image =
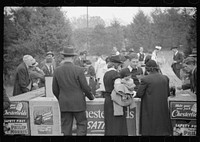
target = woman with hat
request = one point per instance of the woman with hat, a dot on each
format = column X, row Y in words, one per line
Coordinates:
column 154, row 113
column 155, row 53
column 70, row 88
column 114, row 125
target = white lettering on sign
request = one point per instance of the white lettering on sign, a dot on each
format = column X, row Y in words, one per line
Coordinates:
column 97, row 125
column 19, row 131
column 95, row 114
column 189, row 133
column 14, row 112
column 129, row 114
column 177, row 113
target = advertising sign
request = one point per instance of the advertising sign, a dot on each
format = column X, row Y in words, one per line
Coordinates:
column 95, row 117
column 16, row 126
column 17, row 109
column 183, row 110
column 184, row 128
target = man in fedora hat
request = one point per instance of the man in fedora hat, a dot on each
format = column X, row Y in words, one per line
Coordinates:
column 154, row 91
column 22, row 82
column 70, row 88
column 177, row 61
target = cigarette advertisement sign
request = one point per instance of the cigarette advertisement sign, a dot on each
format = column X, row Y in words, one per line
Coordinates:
column 16, row 127
column 17, row 110
column 43, row 119
column 184, row 128
column 95, row 117
column 183, row 110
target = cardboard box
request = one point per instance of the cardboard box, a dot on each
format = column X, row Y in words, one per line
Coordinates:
column 17, row 109
column 184, row 127
column 16, row 126
column 45, row 116
column 183, row 110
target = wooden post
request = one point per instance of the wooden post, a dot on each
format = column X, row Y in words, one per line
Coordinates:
column 48, row 86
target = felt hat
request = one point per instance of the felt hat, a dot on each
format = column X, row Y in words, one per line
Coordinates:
column 151, row 64
column 125, row 72
column 49, row 53
column 68, row 51
column 115, row 59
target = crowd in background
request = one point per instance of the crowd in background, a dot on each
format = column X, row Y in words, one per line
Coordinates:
column 124, row 73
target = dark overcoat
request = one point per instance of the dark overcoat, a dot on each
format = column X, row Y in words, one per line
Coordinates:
column 22, row 80
column 178, row 65
column 154, row 114
column 70, row 87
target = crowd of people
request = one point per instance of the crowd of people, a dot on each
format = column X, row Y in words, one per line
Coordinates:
column 118, row 78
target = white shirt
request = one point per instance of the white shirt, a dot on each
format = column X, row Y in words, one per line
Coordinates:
column 175, row 53
column 154, row 56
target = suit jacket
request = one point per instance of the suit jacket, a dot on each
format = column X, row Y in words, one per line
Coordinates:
column 179, row 58
column 47, row 71
column 22, row 80
column 70, row 87
column 154, row 114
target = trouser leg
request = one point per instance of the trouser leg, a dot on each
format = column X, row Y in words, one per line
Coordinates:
column 81, row 122
column 66, row 122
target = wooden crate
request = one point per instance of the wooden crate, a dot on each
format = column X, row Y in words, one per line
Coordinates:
column 45, row 116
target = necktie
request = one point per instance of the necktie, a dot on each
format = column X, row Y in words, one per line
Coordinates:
column 51, row 72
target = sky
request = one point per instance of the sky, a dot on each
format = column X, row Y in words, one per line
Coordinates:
column 123, row 14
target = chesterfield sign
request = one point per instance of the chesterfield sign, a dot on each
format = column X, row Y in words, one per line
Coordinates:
column 183, row 110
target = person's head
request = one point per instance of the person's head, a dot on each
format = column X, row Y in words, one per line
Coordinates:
column 148, row 57
column 141, row 49
column 123, row 51
column 83, row 55
column 189, row 64
column 87, row 63
column 126, row 63
column 125, row 74
column 49, row 60
column 151, row 66
column 115, row 49
column 134, row 60
column 29, row 61
column 157, row 48
column 115, row 62
column 49, row 54
column 174, row 49
column 68, row 53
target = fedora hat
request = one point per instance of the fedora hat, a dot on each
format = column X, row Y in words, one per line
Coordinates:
column 49, row 53
column 68, row 51
column 115, row 59
column 151, row 64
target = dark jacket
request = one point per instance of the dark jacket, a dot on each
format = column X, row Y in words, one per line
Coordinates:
column 70, row 87
column 154, row 113
column 179, row 58
column 22, row 80
column 193, row 82
column 47, row 71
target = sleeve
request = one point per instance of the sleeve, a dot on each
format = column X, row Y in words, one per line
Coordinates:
column 55, row 87
column 141, row 88
column 186, row 86
column 84, row 85
column 22, row 80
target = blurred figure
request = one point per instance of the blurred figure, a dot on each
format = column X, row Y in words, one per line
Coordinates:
column 177, row 61
column 6, row 100
column 115, row 51
column 79, row 60
column 155, row 52
column 189, row 65
column 141, row 55
column 147, row 58
column 48, row 68
column 22, row 83
column 154, row 92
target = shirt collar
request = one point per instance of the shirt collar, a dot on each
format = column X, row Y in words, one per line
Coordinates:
column 112, row 68
column 176, row 52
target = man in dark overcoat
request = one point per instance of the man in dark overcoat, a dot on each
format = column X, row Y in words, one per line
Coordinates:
column 70, row 88
column 22, row 82
column 154, row 113
column 177, row 61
